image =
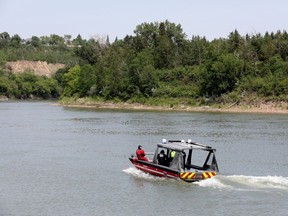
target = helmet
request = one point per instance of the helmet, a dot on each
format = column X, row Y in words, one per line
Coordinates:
column 164, row 141
column 139, row 146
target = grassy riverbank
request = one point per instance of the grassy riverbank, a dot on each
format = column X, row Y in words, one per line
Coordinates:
column 256, row 105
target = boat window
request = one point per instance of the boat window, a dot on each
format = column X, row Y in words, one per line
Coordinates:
column 185, row 156
column 199, row 158
column 209, row 162
column 177, row 162
column 165, row 150
column 157, row 152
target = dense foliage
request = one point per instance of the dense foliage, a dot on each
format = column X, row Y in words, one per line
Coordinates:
column 28, row 85
column 157, row 61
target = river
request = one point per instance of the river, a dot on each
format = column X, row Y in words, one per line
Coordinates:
column 72, row 161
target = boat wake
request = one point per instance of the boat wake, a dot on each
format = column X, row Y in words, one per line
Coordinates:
column 230, row 182
column 246, row 183
column 141, row 175
column 273, row 182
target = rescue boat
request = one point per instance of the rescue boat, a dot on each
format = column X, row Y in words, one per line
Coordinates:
column 185, row 160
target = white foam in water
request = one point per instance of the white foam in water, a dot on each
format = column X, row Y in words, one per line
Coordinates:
column 213, row 182
column 277, row 182
column 227, row 182
column 139, row 174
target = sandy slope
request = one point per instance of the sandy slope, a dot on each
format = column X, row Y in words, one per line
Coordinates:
column 39, row 67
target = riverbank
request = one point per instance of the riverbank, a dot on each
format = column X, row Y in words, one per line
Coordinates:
column 256, row 107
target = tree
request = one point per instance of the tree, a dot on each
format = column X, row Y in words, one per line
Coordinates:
column 116, row 60
column 89, row 51
column 56, row 40
column 16, row 41
column 164, row 49
column 141, row 74
column 4, row 39
column 71, row 80
column 148, row 81
column 146, row 33
column 3, row 85
column 46, row 88
column 87, row 79
column 78, row 41
column 2, row 58
column 59, row 76
column 195, row 52
column 234, row 41
column 35, row 42
column 165, row 38
column 67, row 39
column 222, row 75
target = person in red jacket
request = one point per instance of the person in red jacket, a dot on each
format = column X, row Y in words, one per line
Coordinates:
column 141, row 154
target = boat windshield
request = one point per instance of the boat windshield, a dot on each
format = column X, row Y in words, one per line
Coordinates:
column 174, row 158
column 187, row 158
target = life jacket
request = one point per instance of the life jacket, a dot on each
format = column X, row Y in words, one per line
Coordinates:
column 140, row 154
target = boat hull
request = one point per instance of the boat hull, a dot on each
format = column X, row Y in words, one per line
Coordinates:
column 196, row 176
column 155, row 169
column 163, row 171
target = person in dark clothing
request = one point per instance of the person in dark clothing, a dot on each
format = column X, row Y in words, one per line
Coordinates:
column 141, row 154
column 162, row 158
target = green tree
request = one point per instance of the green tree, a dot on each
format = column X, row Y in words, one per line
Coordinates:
column 25, row 82
column 89, row 52
column 87, row 79
column 71, row 80
column 116, row 69
column 148, row 80
column 56, row 40
column 35, row 42
column 4, row 39
column 164, row 49
column 137, row 69
column 2, row 58
column 46, row 88
column 98, row 86
column 78, row 41
column 67, row 39
column 59, row 76
column 16, row 41
column 195, row 52
column 146, row 34
column 235, row 41
column 222, row 75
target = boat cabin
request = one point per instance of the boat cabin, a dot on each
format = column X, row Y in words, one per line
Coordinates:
column 185, row 156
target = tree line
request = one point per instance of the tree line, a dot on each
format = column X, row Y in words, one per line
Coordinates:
column 157, row 61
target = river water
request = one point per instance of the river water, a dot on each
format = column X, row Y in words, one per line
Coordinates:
column 71, row 161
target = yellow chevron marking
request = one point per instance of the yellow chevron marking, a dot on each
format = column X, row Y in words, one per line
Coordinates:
column 191, row 176
column 205, row 175
column 210, row 174
column 184, row 176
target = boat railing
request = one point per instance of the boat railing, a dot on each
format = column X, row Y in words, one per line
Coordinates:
column 190, row 142
column 199, row 144
column 196, row 167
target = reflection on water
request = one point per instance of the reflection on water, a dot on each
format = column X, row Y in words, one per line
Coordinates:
column 66, row 161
